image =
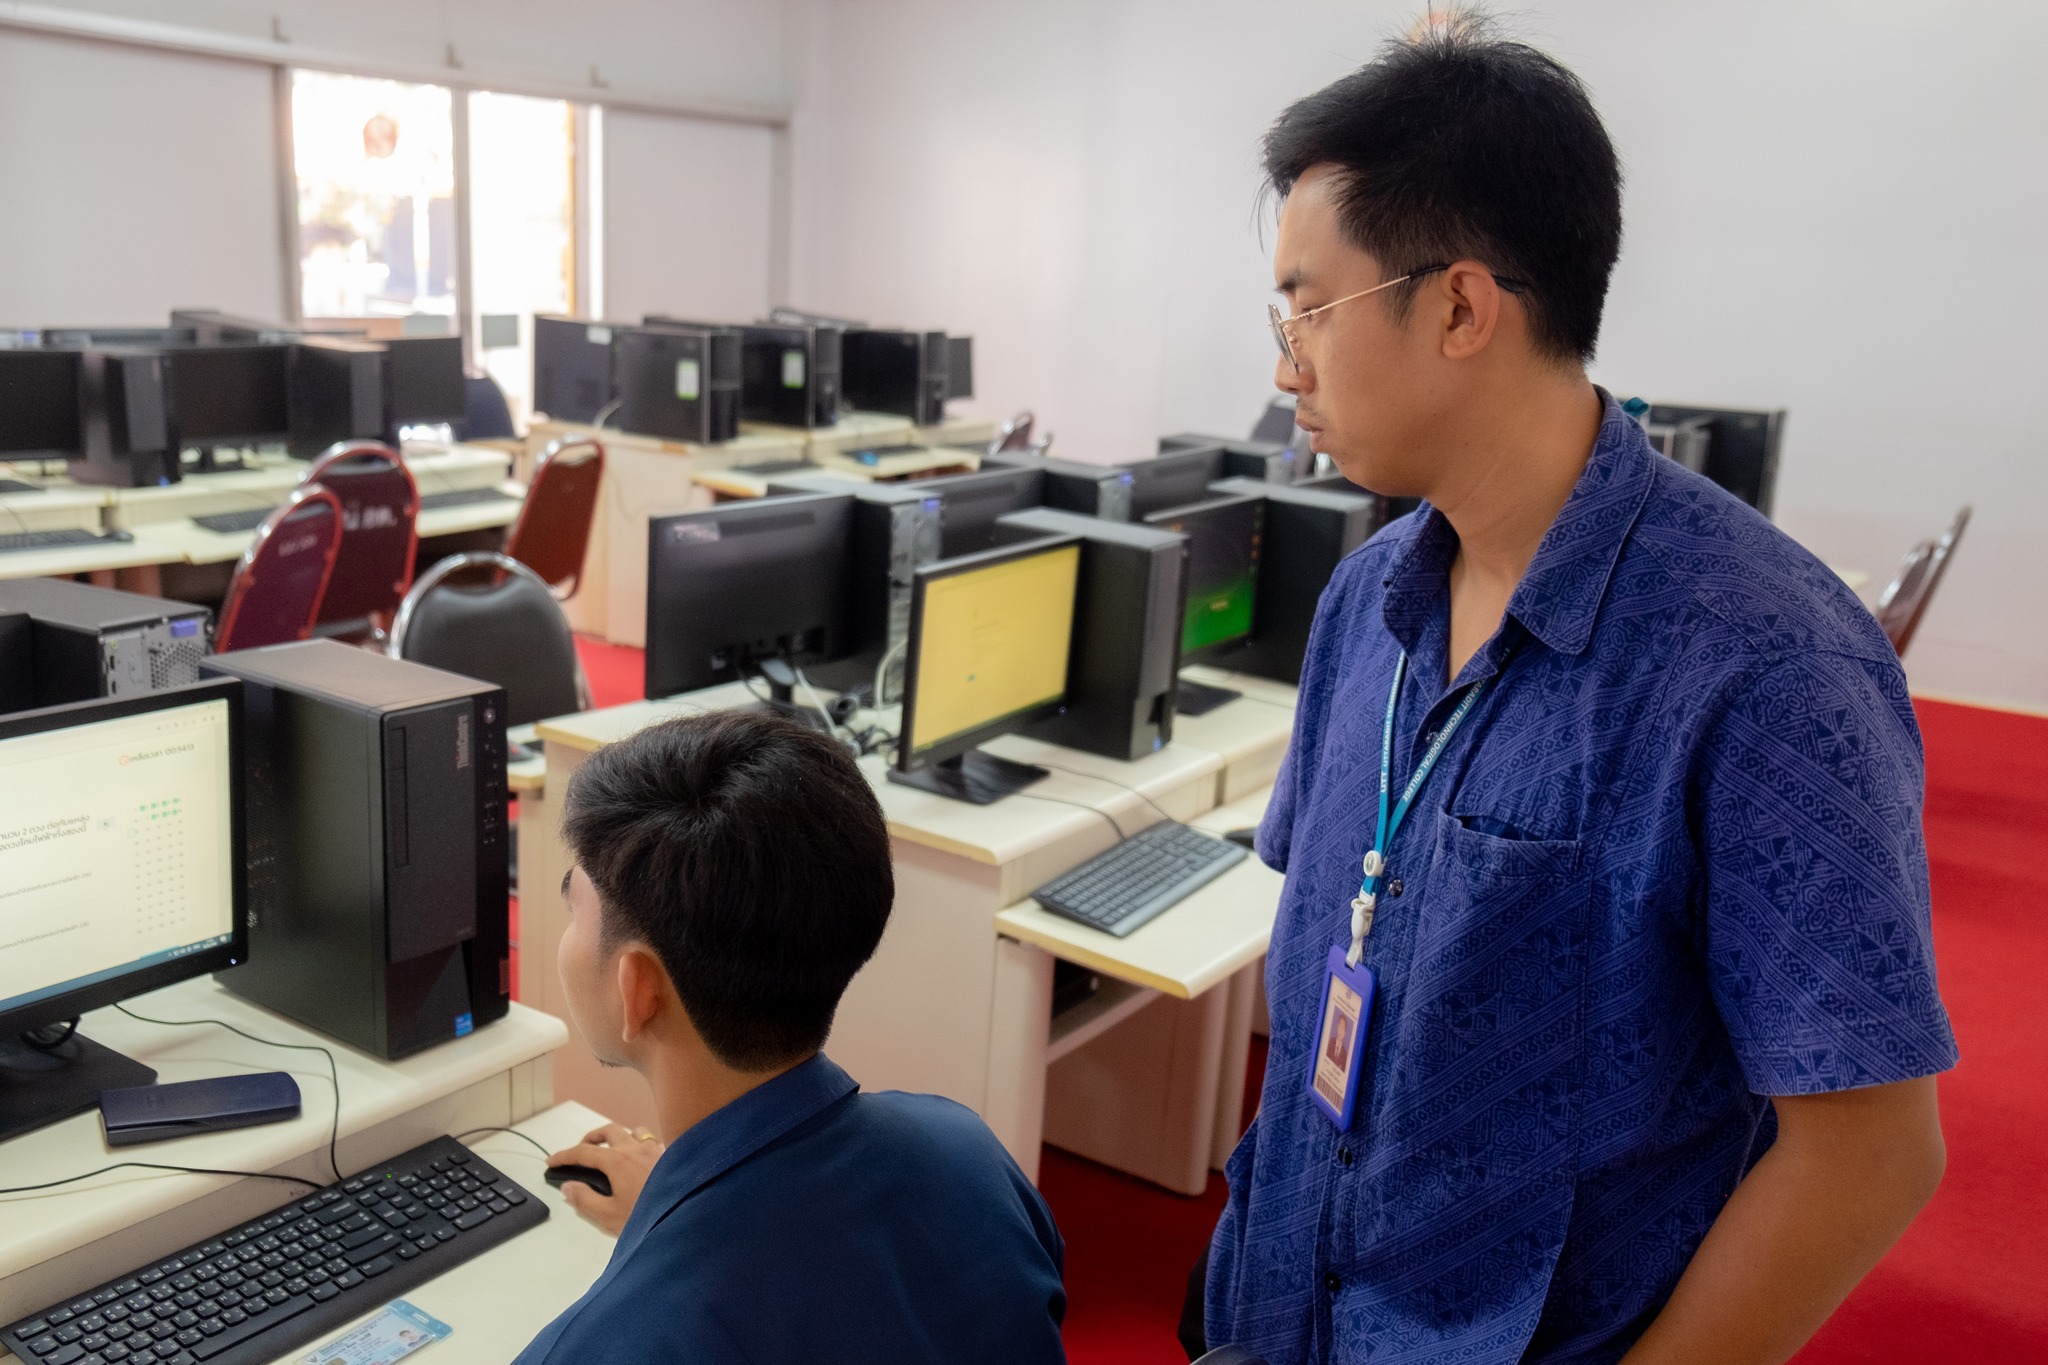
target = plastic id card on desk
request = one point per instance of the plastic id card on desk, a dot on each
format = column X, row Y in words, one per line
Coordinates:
column 395, row 1333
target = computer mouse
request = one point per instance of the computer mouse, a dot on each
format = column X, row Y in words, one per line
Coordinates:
column 1243, row 838
column 589, row 1175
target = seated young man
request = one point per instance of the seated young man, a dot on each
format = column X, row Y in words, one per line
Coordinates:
column 731, row 874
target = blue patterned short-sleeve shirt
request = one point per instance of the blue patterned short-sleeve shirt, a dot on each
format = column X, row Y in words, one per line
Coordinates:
column 1670, row 866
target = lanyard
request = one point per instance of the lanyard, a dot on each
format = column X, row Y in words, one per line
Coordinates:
column 1363, row 904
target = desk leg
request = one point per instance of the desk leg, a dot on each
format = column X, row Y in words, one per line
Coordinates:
column 1018, row 1032
column 1237, row 1047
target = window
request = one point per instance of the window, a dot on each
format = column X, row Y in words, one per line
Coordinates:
column 375, row 163
column 522, row 215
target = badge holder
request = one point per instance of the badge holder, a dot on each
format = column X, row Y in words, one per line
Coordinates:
column 1340, row 1039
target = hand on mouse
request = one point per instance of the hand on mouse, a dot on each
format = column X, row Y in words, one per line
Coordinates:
column 625, row 1158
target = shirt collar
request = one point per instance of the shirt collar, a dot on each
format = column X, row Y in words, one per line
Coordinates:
column 1559, row 597
column 729, row 1136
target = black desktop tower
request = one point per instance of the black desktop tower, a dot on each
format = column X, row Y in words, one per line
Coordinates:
column 336, row 393
column 680, row 382
column 1267, row 461
column 88, row 642
column 790, row 375
column 896, row 528
column 1127, row 628
column 907, row 374
column 17, row 662
column 377, row 847
column 1093, row 490
column 1307, row 532
column 126, row 427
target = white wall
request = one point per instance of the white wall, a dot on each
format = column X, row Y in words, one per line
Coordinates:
column 133, row 182
column 1832, row 207
column 687, row 218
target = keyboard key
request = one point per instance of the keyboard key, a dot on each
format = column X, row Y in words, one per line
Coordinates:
column 64, row 1355
column 407, row 1252
column 242, row 1331
column 368, row 1250
column 33, row 1328
column 473, row 1219
column 323, row 1292
column 371, row 1269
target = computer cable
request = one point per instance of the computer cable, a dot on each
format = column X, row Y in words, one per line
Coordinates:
column 882, row 671
column 333, row 1072
column 1078, row 805
column 1097, row 777
column 159, row 1166
column 832, row 726
column 495, row 1128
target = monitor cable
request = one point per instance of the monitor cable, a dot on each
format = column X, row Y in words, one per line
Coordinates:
column 1078, row 805
column 498, row 1128
column 1097, row 777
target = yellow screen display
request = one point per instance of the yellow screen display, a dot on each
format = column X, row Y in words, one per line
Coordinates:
column 993, row 642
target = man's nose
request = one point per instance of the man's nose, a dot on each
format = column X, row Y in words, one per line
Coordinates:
column 1290, row 379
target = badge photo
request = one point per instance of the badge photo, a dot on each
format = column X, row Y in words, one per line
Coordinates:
column 1340, row 1039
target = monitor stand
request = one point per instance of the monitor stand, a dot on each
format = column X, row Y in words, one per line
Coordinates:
column 1199, row 699
column 976, row 777
column 39, row 1087
column 781, row 680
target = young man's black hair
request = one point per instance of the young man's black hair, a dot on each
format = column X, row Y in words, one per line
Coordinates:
column 750, row 854
column 732, row 874
column 1457, row 143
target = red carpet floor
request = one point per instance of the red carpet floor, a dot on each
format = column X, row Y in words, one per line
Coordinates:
column 1968, row 1283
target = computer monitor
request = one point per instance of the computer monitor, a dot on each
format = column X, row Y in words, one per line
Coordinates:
column 1742, row 450
column 732, row 587
column 971, row 504
column 423, row 383
column 337, row 393
column 990, row 636
column 122, row 854
column 572, row 367
column 1225, row 540
column 1308, row 533
column 1173, row 478
column 228, row 395
column 39, row 403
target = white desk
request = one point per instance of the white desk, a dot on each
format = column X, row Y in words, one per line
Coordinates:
column 952, row 1003
column 56, row 1242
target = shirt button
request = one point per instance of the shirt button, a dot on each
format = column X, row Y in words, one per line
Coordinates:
column 1394, row 887
column 1343, row 1156
column 1331, row 1282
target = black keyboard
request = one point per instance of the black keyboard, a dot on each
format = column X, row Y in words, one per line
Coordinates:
column 462, row 497
column 280, row 1281
column 1141, row 877
column 228, row 523
column 47, row 540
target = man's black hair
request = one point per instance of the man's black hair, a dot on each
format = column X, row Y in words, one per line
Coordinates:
column 749, row 853
column 1454, row 143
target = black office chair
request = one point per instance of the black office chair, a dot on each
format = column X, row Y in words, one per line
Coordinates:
column 488, row 416
column 501, row 625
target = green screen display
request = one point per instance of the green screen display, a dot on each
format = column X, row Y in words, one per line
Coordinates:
column 1221, row 614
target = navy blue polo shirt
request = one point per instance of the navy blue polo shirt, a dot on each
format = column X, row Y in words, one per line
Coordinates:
column 1670, row 866
column 807, row 1221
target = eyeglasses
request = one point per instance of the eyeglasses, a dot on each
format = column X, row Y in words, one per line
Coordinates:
column 1282, row 323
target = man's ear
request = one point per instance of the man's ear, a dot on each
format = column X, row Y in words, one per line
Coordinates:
column 1470, row 301
column 644, row 991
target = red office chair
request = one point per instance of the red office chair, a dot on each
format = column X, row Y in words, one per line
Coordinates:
column 380, row 508
column 553, row 529
column 274, row 596
column 1905, row 600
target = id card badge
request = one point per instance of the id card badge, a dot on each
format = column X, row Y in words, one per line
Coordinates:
column 1340, row 1041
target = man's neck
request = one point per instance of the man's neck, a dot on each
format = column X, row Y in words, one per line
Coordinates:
column 1510, row 463
column 690, row 1085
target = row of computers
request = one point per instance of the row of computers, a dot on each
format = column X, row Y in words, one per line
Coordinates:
column 122, row 406
column 695, row 381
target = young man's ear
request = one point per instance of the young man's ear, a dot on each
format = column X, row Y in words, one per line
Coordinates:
column 643, row 989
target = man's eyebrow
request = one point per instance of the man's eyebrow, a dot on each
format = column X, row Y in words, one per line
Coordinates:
column 1290, row 282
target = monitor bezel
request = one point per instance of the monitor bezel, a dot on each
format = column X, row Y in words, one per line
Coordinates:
column 953, row 746
column 1222, row 649
column 73, row 1003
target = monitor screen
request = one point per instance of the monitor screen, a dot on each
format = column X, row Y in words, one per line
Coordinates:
column 989, row 643
column 424, row 382
column 572, row 368
column 117, row 849
column 228, row 393
column 39, row 411
column 1223, row 568
column 729, row 586
column 971, row 504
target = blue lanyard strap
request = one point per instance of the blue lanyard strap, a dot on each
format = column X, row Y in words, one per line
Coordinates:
column 1367, row 900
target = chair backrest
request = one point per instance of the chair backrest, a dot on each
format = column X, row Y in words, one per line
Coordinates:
column 1904, row 601
column 1014, row 434
column 274, row 596
column 487, row 416
column 503, row 626
column 553, row 529
column 380, row 508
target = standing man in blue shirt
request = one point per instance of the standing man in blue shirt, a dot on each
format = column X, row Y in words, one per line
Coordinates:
column 1604, row 1017
column 731, row 875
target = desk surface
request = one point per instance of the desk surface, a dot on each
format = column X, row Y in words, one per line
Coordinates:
column 1194, row 946
column 37, row 1226
column 64, row 560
